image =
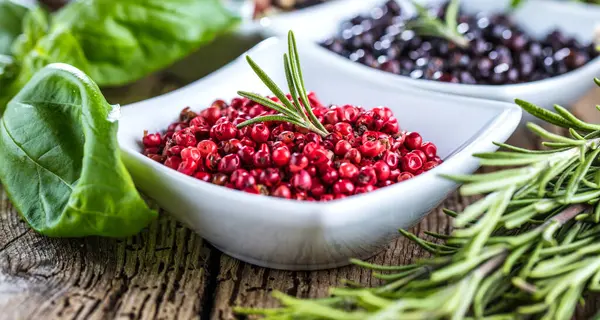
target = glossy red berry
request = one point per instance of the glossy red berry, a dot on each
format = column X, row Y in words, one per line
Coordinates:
column 330, row 176
column 343, row 128
column 281, row 156
column 255, row 173
column 236, row 173
column 327, row 197
column 299, row 195
column 191, row 153
column 309, row 147
column 264, row 147
column 394, row 174
column 302, row 180
column 421, row 155
column 260, row 133
column 149, row 151
column 382, row 170
column 262, row 159
column 174, row 151
column 317, row 189
column 282, row 191
column 220, row 179
column 270, row 177
column 385, row 183
column 366, row 176
column 342, row 147
column 429, row 165
column 411, row 162
column 429, row 149
column 298, row 162
column 318, row 156
column 204, row 176
column 223, row 131
column 187, row 167
column 343, row 186
column 365, row 189
column 199, row 122
column 211, row 115
column 391, row 159
column 229, row 163
column 347, row 113
column 231, row 145
column 246, row 155
column 348, row 171
column 391, row 126
column 371, row 148
column 185, row 138
column 219, row 104
column 413, row 141
column 173, row 162
column 212, row 162
column 312, row 170
column 152, row 140
column 248, row 142
column 206, row 147
column 331, row 117
column 313, row 137
column 354, row 156
column 382, row 113
column 286, row 137
column 405, row 176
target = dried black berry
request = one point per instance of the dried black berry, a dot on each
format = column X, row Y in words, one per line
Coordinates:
column 499, row 51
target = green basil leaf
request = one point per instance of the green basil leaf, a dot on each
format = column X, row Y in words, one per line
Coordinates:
column 126, row 40
column 11, row 17
column 35, row 26
column 7, row 69
column 60, row 162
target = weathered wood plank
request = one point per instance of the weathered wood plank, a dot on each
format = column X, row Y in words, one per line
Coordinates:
column 157, row 274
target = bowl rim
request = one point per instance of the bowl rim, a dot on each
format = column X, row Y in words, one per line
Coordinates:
column 503, row 124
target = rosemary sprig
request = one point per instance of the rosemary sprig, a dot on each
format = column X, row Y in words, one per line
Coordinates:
column 298, row 111
column 427, row 24
column 529, row 249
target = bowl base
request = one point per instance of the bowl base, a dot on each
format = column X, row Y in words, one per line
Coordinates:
column 294, row 267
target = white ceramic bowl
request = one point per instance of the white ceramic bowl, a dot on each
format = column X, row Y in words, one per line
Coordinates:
column 289, row 234
column 537, row 17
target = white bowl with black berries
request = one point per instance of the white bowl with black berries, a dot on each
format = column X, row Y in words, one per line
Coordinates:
column 302, row 235
column 557, row 68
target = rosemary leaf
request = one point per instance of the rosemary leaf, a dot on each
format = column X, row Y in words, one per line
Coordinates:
column 543, row 114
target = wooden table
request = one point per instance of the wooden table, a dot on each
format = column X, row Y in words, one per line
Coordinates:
column 167, row 271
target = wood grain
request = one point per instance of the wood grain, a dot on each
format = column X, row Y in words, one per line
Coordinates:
column 158, row 274
column 168, row 272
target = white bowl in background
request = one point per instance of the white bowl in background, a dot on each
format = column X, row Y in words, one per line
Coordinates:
column 288, row 234
column 537, row 17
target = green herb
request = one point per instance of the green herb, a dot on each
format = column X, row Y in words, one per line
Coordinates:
column 298, row 112
column 529, row 249
column 116, row 42
column 429, row 25
column 515, row 3
column 60, row 161
column 11, row 17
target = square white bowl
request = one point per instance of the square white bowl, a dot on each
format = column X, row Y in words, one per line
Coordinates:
column 537, row 17
column 288, row 234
